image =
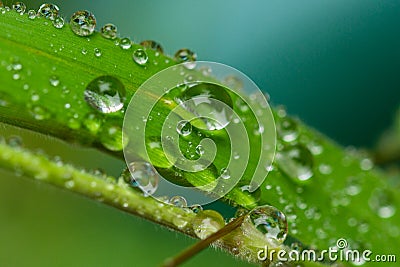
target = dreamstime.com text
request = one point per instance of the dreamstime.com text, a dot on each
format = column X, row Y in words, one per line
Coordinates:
column 338, row 253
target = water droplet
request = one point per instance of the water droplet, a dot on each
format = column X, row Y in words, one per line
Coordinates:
column 39, row 113
column 196, row 208
column 315, row 148
column 140, row 56
column 366, row 164
column 184, row 128
column 144, row 175
column 206, row 223
column 31, row 14
column 97, row 52
column 200, row 150
column 381, row 203
column 58, row 22
column 178, row 201
column 111, row 138
column 125, row 43
column 353, row 186
column 83, row 23
column 211, row 103
column 225, row 173
column 325, row 169
column 106, row 94
column 19, row 7
column 49, row 11
column 270, row 221
column 179, row 222
column 296, row 162
column 2, row 10
column 109, row 31
column 186, row 56
column 149, row 44
column 287, row 130
column 54, row 81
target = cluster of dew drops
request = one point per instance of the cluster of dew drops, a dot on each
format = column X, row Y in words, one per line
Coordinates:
column 106, row 94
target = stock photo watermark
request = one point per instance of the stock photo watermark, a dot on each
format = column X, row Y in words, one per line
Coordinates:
column 341, row 252
column 202, row 103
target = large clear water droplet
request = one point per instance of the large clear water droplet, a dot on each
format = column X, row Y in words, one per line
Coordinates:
column 296, row 162
column 106, row 94
column 49, row 11
column 140, row 56
column 207, row 222
column 109, row 31
column 186, row 56
column 83, row 23
column 145, row 176
column 153, row 45
column 270, row 221
column 211, row 103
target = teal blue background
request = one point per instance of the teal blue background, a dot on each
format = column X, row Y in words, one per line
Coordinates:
column 335, row 64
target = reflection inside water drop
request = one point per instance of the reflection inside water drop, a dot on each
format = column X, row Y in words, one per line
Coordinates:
column 106, row 94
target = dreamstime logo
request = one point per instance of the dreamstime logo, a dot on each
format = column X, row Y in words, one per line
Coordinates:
column 217, row 120
column 340, row 252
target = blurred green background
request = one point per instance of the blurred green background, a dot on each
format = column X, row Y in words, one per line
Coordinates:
column 335, row 64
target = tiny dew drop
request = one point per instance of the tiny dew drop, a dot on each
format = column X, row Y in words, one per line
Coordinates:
column 109, row 31
column 54, row 81
column 83, row 23
column 19, row 7
column 270, row 221
column 39, row 113
column 178, row 201
column 111, row 137
column 207, row 222
column 125, row 43
column 150, row 44
column 58, row 22
column 200, row 150
column 140, row 56
column 287, row 129
column 144, row 175
column 196, row 208
column 49, row 11
column 106, row 94
column 225, row 173
column 353, row 186
column 296, row 161
column 382, row 204
column 31, row 14
column 186, row 56
column 97, row 52
column 184, row 128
